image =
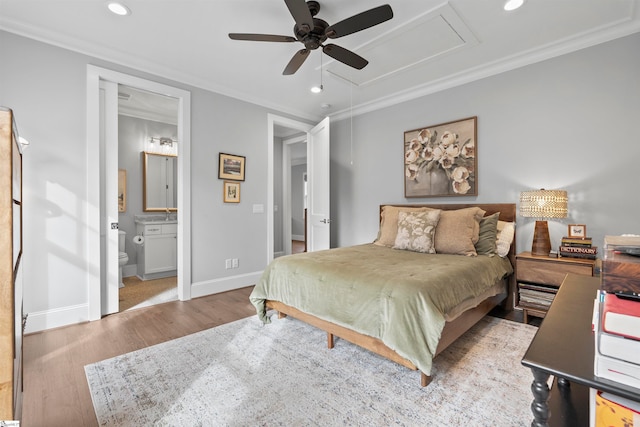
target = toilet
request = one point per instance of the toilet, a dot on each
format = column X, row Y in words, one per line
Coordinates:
column 123, row 258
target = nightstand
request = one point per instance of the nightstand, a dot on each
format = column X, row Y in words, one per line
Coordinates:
column 540, row 277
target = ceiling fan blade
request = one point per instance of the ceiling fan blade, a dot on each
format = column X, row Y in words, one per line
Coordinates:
column 345, row 56
column 295, row 63
column 360, row 22
column 300, row 12
column 262, row 37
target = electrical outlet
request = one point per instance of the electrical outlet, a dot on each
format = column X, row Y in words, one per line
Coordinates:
column 234, row 263
column 227, row 264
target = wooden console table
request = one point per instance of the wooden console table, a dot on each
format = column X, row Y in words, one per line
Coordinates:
column 564, row 347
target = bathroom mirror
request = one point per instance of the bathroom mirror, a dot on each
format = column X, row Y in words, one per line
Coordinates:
column 160, row 179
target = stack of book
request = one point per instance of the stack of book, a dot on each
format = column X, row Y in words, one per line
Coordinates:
column 577, row 247
column 617, row 339
column 616, row 323
column 536, row 296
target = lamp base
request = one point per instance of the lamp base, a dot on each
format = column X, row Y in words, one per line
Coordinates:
column 541, row 243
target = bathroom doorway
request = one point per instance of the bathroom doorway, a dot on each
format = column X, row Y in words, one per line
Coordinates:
column 147, row 124
column 102, row 196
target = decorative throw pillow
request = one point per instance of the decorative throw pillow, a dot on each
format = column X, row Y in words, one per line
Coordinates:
column 486, row 244
column 506, row 231
column 389, row 223
column 416, row 231
column 458, row 231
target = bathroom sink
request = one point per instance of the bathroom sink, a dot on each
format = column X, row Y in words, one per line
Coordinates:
column 145, row 219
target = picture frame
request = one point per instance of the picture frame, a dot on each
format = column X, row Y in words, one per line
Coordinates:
column 231, row 192
column 577, row 230
column 122, row 190
column 441, row 160
column 231, row 167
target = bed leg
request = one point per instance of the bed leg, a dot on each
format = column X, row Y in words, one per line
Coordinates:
column 424, row 379
column 329, row 340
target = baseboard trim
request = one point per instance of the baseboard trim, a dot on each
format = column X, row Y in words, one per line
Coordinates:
column 215, row 286
column 49, row 319
column 42, row 320
column 129, row 270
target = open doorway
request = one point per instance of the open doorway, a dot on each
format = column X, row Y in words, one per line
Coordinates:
column 279, row 179
column 147, row 158
column 102, row 186
column 297, row 193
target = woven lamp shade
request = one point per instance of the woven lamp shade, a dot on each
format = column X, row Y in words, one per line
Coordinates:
column 543, row 204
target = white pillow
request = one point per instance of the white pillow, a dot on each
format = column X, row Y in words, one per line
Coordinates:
column 506, row 231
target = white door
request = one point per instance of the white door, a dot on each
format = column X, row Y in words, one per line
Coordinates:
column 318, row 184
column 109, row 197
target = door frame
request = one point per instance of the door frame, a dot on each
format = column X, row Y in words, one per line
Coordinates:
column 94, row 75
column 272, row 121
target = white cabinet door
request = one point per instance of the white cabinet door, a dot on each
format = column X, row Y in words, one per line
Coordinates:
column 161, row 253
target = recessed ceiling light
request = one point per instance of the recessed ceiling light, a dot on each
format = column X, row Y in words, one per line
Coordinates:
column 316, row 89
column 119, row 8
column 513, row 5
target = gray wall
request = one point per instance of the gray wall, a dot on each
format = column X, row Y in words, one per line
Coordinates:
column 278, row 244
column 568, row 122
column 297, row 199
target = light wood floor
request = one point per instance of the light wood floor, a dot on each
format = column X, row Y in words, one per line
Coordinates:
column 297, row 246
column 55, row 386
column 138, row 292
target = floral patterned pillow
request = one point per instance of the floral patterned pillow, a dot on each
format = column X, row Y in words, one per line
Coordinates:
column 416, row 231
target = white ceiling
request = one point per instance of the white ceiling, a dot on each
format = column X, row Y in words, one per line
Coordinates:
column 429, row 45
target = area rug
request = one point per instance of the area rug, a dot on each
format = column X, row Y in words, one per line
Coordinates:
column 247, row 374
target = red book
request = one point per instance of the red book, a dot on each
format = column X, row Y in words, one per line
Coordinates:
column 621, row 316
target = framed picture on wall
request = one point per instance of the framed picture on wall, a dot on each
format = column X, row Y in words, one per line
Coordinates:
column 231, row 191
column 440, row 160
column 122, row 190
column 231, row 166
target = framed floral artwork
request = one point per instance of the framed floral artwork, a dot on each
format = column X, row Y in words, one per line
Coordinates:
column 440, row 160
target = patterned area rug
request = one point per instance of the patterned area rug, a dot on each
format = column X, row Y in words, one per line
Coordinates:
column 245, row 374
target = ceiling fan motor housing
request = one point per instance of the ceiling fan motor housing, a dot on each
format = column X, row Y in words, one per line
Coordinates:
column 314, row 38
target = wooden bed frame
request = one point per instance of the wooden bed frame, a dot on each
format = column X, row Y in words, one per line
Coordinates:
column 452, row 330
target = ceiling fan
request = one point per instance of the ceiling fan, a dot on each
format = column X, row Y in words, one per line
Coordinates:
column 313, row 32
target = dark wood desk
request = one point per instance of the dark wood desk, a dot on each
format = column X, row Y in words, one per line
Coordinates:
column 564, row 347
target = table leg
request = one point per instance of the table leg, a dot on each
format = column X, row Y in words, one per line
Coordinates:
column 539, row 406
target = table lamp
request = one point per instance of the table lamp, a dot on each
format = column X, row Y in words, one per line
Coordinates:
column 543, row 204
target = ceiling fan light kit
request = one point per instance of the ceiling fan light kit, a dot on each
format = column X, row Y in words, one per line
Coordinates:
column 313, row 32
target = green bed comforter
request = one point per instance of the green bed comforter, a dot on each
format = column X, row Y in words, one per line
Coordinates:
column 397, row 296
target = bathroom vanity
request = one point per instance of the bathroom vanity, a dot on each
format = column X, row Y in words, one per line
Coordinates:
column 158, row 253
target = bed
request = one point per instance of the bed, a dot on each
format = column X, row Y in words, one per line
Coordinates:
column 405, row 305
